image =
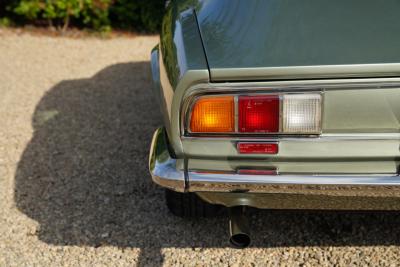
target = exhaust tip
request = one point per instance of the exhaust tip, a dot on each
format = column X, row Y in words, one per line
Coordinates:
column 240, row 240
column 238, row 228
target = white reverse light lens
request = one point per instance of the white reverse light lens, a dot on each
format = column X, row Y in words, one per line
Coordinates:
column 301, row 113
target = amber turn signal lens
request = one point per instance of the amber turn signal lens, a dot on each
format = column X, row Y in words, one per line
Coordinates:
column 213, row 115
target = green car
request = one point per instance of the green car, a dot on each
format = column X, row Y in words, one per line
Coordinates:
column 277, row 104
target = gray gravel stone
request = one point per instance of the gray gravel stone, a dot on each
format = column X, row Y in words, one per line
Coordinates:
column 76, row 119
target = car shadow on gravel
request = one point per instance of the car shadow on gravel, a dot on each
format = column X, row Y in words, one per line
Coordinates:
column 83, row 177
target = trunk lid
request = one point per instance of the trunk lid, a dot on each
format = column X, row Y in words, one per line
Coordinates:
column 290, row 39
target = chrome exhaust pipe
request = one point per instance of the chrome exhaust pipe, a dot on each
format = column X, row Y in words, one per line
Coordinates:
column 238, row 227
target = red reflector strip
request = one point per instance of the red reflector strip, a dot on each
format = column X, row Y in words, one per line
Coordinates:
column 259, row 114
column 257, row 148
column 256, row 172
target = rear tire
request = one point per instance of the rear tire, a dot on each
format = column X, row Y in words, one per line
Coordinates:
column 189, row 205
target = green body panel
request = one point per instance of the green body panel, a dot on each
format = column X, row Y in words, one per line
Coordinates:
column 282, row 33
column 278, row 39
column 248, row 45
column 302, row 149
column 181, row 45
column 182, row 63
column 298, row 166
column 362, row 111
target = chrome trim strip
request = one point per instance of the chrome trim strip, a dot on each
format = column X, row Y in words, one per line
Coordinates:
column 323, row 138
column 307, row 72
column 236, row 100
column 354, row 179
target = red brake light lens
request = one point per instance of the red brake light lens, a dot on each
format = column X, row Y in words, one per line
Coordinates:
column 259, row 114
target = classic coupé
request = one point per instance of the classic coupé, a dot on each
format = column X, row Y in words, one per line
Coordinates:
column 278, row 104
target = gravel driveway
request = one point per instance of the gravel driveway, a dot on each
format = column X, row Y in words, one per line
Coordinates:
column 76, row 119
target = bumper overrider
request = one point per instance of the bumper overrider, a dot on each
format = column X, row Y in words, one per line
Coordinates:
column 172, row 173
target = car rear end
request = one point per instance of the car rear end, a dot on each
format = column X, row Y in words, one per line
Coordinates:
column 293, row 106
column 333, row 138
column 278, row 105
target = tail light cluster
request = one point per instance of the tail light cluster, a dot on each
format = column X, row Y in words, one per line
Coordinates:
column 257, row 114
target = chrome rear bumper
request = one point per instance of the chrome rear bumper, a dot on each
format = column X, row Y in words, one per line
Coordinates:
column 173, row 174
